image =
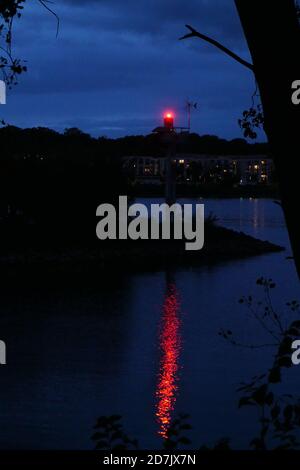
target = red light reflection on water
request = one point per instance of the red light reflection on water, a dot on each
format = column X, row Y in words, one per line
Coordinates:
column 170, row 344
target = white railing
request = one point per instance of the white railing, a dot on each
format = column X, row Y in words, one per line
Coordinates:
column 2, row 92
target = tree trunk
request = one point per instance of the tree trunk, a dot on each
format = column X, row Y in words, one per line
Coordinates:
column 273, row 35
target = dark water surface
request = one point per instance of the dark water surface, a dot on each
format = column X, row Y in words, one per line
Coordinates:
column 144, row 346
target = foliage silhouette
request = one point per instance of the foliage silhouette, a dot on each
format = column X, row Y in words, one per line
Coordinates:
column 10, row 66
column 110, row 435
column 279, row 413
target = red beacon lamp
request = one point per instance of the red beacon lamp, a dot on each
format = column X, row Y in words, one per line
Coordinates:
column 169, row 120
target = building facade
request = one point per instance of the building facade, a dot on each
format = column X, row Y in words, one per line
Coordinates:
column 205, row 169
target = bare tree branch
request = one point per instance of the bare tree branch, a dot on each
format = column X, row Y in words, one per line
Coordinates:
column 44, row 4
column 195, row 34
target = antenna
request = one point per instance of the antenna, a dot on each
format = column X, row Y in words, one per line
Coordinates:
column 189, row 106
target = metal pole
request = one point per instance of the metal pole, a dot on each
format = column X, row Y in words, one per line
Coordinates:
column 170, row 173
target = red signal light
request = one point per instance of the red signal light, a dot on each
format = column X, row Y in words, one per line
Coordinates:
column 169, row 120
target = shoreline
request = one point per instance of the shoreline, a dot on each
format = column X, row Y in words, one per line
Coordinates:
column 213, row 192
column 86, row 264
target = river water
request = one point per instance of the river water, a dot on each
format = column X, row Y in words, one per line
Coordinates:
column 145, row 346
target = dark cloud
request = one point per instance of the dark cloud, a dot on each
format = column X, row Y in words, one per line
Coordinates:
column 156, row 16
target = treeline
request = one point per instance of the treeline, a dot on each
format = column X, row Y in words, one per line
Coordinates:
column 76, row 146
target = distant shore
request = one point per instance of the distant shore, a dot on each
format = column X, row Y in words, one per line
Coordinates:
column 208, row 191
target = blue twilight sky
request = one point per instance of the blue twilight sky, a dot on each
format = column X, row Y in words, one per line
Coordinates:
column 117, row 65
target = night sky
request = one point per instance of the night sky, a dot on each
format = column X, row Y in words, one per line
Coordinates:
column 117, row 65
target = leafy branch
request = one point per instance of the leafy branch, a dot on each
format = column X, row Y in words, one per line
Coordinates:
column 10, row 66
